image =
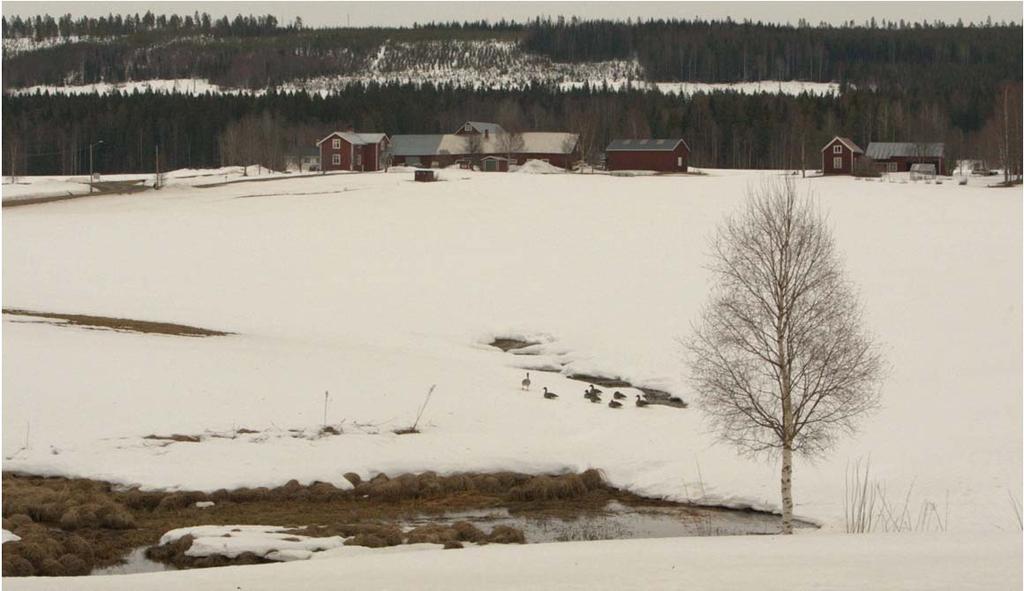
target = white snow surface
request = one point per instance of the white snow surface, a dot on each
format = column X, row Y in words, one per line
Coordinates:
column 270, row 542
column 373, row 287
column 816, row 562
column 8, row 536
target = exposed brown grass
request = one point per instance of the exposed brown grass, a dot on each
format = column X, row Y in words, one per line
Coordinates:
column 98, row 524
column 121, row 324
column 510, row 344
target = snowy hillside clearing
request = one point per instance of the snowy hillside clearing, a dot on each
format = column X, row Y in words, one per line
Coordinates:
column 373, row 287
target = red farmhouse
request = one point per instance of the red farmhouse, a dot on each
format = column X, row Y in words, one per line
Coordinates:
column 346, row 150
column 664, row 155
column 839, row 156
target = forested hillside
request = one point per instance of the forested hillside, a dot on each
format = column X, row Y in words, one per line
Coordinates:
column 898, row 82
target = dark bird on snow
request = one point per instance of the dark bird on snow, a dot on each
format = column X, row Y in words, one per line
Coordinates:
column 549, row 395
column 593, row 390
column 526, row 382
column 619, row 395
column 640, row 403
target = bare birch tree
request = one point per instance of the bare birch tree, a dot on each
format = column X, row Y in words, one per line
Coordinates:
column 474, row 147
column 779, row 358
column 510, row 143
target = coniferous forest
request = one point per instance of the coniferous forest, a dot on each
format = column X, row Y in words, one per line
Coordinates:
column 898, row 82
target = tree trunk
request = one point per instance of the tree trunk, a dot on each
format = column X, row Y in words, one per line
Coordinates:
column 787, row 489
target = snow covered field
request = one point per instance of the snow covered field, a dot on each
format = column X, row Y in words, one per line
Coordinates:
column 373, row 287
column 819, row 562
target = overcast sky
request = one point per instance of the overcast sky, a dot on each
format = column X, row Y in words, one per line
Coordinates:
column 406, row 13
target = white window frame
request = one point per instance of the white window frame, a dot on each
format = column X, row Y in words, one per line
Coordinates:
column 837, row 162
column 336, row 143
column 336, row 159
column 679, row 161
column 837, row 149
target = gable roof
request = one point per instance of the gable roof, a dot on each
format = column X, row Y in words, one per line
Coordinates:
column 846, row 142
column 481, row 126
column 534, row 142
column 886, row 150
column 356, row 139
column 646, row 145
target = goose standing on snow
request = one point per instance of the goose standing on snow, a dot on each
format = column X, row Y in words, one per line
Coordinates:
column 615, row 404
column 593, row 391
column 549, row 395
column 618, row 395
column 640, row 403
column 526, row 381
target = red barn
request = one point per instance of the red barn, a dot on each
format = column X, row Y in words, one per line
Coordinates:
column 660, row 155
column 839, row 156
column 347, row 150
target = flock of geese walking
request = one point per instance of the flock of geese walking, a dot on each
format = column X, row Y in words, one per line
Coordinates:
column 592, row 394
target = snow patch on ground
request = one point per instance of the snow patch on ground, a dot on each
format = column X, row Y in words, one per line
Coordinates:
column 9, row 536
column 272, row 543
column 539, row 167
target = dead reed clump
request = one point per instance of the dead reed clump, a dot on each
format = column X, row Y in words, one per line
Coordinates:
column 353, row 478
column 51, row 567
column 550, row 488
column 17, row 566
column 137, row 500
column 593, row 479
column 467, row 532
column 74, row 566
column 368, row 540
column 324, row 491
column 15, row 521
column 172, row 553
column 432, row 534
column 504, row 534
column 80, row 517
column 179, row 500
column 77, row 546
column 456, row 483
column 453, row 545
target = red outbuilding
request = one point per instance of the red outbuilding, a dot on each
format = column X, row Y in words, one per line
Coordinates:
column 347, row 150
column 839, row 156
column 660, row 155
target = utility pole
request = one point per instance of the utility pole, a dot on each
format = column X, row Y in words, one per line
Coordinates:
column 91, row 146
column 156, row 182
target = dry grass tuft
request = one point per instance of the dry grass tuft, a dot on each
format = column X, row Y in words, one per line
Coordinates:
column 467, row 532
column 504, row 534
column 550, row 488
column 74, row 566
column 353, row 478
column 452, row 545
column 17, row 566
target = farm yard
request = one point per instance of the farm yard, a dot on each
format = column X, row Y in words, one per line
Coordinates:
column 312, row 316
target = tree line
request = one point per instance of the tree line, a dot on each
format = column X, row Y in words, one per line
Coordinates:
column 48, row 134
column 934, row 58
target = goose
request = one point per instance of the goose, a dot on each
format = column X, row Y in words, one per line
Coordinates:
column 588, row 394
column 595, row 399
column 640, row 403
column 619, row 395
column 526, row 382
column 615, row 404
column 593, row 390
column 549, row 395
